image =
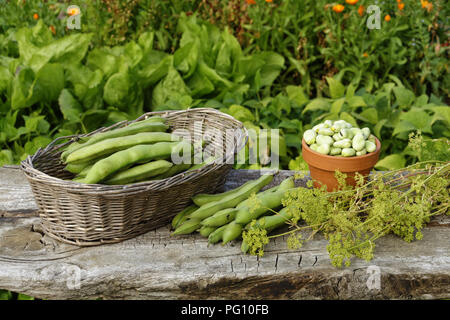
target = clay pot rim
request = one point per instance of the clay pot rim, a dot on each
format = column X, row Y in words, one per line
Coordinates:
column 341, row 158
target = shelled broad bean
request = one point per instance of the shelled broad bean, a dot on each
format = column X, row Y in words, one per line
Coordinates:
column 339, row 138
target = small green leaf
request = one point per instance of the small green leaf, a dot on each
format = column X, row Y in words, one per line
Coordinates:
column 199, row 85
column 22, row 296
column 146, row 41
column 317, row 104
column 268, row 74
column 6, row 157
column 257, row 81
column 420, row 119
column 5, row 294
column 350, row 91
column 93, row 119
column 293, row 141
column 38, row 142
column 172, row 87
column 100, row 58
column 293, row 124
column 117, row 89
column 69, row 106
column 370, row 115
column 403, row 126
column 337, row 89
column 185, row 59
column 378, row 127
column 405, row 98
column 19, row 133
column 150, row 74
column 133, row 53
column 299, row 65
column 298, row 164
column 391, row 162
column 49, row 82
column 421, row 101
column 241, row 113
column 356, row 101
column 23, row 89
column 213, row 76
column 213, row 104
column 396, row 80
column 281, row 103
column 337, row 106
column 223, row 62
column 36, row 124
column 440, row 113
column 6, row 79
column 297, row 94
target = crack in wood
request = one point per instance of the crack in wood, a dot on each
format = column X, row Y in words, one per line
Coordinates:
column 276, row 263
column 19, row 260
column 315, row 261
column 11, row 166
column 336, row 288
column 21, row 213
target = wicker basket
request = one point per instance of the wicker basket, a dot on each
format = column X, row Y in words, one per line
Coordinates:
column 93, row 214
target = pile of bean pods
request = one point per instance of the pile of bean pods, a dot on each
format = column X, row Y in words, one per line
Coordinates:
column 138, row 152
column 224, row 216
column 339, row 138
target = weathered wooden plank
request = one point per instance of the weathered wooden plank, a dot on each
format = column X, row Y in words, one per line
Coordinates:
column 16, row 199
column 158, row 266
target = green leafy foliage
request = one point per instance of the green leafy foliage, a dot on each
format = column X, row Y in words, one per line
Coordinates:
column 285, row 65
column 292, row 113
column 53, row 79
column 8, row 295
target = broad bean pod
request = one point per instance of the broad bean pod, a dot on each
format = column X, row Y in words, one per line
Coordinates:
column 232, row 199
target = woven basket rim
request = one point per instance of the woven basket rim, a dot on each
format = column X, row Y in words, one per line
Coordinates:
column 34, row 174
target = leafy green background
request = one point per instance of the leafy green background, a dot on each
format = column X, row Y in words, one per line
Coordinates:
column 47, row 79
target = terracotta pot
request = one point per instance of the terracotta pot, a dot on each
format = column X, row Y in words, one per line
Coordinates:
column 322, row 167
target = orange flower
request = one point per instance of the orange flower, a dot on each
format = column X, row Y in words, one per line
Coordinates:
column 268, row 0
column 365, row 55
column 52, row 29
column 338, row 8
column 352, row 2
column 426, row 5
column 361, row 10
column 73, row 12
column 251, row 1
column 398, row 1
column 387, row 18
column 401, row 6
column 35, row 16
